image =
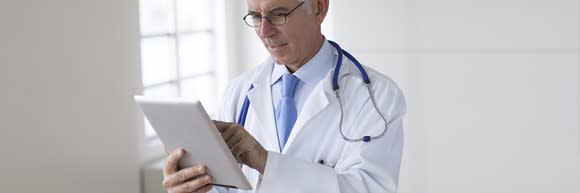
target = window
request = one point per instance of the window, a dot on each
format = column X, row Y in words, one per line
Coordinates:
column 178, row 51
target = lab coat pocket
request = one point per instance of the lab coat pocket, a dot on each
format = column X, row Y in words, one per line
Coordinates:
column 327, row 162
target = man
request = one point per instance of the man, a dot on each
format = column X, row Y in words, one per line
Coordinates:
column 297, row 135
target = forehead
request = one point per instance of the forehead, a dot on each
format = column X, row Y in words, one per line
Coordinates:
column 265, row 6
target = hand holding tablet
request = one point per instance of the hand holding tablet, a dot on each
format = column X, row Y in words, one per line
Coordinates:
column 183, row 123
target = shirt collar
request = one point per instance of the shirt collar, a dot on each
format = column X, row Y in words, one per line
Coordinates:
column 313, row 71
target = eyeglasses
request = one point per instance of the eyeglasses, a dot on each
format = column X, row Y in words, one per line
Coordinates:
column 277, row 19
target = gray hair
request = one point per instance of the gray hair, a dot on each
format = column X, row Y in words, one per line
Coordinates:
column 307, row 6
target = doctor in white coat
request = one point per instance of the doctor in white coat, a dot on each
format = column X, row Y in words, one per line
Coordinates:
column 312, row 140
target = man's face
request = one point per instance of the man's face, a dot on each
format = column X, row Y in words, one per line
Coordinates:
column 291, row 42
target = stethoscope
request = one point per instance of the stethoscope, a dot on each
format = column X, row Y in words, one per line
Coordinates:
column 335, row 87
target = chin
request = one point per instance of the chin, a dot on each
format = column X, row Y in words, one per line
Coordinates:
column 279, row 59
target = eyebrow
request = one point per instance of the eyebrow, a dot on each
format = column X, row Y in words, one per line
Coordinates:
column 277, row 9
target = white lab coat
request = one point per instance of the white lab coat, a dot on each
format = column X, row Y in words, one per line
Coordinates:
column 358, row 166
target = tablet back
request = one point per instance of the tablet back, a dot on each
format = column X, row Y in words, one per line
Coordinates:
column 184, row 123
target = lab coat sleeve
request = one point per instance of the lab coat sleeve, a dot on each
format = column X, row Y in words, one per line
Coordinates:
column 367, row 167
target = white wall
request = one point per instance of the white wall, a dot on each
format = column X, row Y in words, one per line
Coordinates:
column 68, row 70
column 493, row 89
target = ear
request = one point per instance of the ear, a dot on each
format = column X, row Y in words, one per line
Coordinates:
column 320, row 9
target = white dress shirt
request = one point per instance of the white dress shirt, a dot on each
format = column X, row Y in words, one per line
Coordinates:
column 309, row 74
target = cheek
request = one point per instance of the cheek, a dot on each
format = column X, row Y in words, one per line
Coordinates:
column 296, row 43
column 257, row 30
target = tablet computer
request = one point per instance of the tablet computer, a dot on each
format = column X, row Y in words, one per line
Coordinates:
column 181, row 122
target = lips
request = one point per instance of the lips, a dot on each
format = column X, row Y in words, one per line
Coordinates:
column 270, row 43
column 276, row 45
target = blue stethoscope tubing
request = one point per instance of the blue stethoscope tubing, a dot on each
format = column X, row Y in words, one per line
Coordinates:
column 335, row 87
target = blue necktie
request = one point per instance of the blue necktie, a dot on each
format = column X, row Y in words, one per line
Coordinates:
column 286, row 109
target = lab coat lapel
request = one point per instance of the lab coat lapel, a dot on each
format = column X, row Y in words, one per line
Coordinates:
column 316, row 102
column 261, row 102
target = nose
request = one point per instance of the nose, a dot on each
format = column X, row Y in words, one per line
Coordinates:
column 266, row 29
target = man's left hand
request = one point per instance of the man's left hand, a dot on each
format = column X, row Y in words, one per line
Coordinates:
column 243, row 146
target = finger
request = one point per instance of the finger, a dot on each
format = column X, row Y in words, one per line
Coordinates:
column 230, row 133
column 221, row 126
column 193, row 185
column 172, row 161
column 237, row 150
column 184, row 175
column 166, row 151
column 235, row 139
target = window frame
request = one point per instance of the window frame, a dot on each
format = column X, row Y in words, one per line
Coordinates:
column 176, row 35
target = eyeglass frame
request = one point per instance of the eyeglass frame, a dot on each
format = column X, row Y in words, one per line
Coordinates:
column 268, row 17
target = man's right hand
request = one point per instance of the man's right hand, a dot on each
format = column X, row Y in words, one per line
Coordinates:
column 192, row 179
